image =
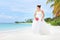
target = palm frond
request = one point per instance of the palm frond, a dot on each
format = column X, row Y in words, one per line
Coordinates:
column 56, row 5
column 52, row 5
column 48, row 1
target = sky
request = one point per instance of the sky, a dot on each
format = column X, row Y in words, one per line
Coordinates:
column 19, row 10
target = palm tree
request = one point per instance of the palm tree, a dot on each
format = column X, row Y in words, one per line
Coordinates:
column 56, row 6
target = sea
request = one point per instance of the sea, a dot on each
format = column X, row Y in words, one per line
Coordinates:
column 11, row 26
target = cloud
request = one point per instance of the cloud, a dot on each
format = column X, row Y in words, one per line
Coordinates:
column 18, row 5
column 3, row 16
column 15, row 9
column 26, row 6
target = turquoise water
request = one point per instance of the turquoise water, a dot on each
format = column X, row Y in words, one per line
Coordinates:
column 13, row 26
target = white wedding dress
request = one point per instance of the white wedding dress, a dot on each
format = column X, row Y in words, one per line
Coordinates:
column 39, row 26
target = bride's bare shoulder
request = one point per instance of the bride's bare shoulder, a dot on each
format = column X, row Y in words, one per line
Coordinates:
column 35, row 11
column 42, row 10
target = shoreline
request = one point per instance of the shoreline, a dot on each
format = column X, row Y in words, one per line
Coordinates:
column 27, row 34
column 23, row 23
column 24, row 34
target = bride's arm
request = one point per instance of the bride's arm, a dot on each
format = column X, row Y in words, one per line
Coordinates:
column 42, row 15
column 35, row 14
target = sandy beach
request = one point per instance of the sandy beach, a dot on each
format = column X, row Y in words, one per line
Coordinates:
column 24, row 34
column 27, row 34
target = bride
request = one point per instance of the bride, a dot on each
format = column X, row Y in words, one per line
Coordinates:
column 39, row 25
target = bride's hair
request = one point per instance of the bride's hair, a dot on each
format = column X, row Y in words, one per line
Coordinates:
column 39, row 6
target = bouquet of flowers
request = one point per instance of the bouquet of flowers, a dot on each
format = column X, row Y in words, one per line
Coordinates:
column 36, row 19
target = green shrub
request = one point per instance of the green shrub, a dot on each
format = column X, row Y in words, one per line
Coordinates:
column 54, row 21
column 48, row 20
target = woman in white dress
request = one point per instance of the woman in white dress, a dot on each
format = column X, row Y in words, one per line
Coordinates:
column 39, row 25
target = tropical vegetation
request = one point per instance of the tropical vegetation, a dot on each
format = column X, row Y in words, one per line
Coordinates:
column 56, row 6
column 56, row 12
column 26, row 21
column 53, row 21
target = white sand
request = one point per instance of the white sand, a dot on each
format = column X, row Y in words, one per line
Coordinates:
column 27, row 34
